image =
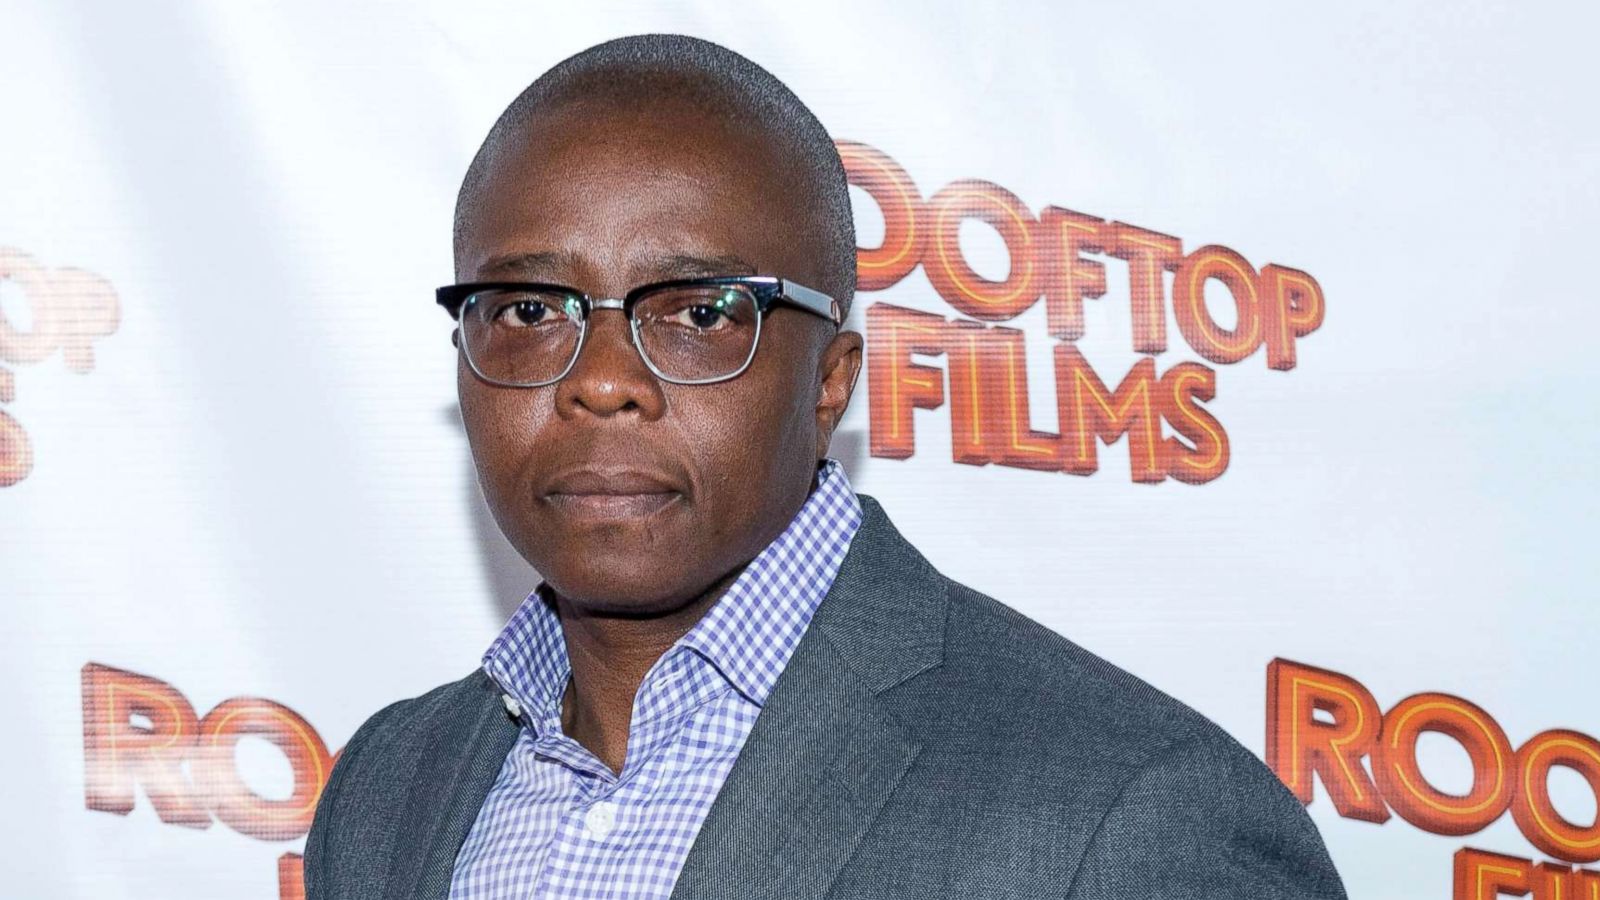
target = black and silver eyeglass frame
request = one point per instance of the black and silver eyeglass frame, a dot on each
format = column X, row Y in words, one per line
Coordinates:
column 767, row 290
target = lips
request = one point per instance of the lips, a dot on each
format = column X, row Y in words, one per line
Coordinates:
column 612, row 495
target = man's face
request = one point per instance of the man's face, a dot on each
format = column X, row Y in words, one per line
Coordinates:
column 631, row 495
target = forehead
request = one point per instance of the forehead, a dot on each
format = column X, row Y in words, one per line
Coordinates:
column 612, row 193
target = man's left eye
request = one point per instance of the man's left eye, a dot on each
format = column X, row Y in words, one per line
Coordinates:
column 702, row 316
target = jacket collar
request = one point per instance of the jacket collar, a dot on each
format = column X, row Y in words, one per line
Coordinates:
column 885, row 615
column 825, row 753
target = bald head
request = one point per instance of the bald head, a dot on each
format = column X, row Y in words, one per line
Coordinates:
column 646, row 75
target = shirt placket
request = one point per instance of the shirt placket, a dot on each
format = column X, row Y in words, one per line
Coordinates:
column 587, row 838
column 580, row 841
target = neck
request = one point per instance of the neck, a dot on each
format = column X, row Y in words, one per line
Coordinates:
column 609, row 656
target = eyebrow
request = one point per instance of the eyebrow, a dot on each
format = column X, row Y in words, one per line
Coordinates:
column 673, row 265
column 680, row 265
column 523, row 263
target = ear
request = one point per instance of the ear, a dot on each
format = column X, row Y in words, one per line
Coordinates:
column 840, row 366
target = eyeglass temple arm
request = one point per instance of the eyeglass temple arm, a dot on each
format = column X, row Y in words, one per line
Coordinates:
column 813, row 300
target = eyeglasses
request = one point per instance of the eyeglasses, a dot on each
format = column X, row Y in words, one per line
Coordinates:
column 687, row 331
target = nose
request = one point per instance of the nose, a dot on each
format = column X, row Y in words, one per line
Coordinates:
column 609, row 377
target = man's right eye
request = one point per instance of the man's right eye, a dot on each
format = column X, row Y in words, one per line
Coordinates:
column 521, row 314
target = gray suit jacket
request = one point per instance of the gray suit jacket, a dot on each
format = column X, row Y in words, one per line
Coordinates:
column 925, row 741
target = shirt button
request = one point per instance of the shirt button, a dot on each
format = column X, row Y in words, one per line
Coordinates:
column 599, row 820
column 512, row 706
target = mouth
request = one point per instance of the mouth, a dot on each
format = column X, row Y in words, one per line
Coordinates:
column 611, row 496
column 612, row 506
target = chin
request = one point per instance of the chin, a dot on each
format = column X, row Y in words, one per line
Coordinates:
column 646, row 588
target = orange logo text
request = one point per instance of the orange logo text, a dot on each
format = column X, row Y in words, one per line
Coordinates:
column 69, row 309
column 141, row 733
column 1325, row 727
column 1059, row 256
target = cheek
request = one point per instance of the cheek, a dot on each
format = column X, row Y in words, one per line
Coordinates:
column 794, row 421
column 726, row 444
column 749, row 441
column 501, row 425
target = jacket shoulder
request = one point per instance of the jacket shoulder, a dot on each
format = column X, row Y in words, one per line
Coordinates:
column 1048, row 684
column 1077, row 760
column 359, row 812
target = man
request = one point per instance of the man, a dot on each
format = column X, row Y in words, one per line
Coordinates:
column 737, row 680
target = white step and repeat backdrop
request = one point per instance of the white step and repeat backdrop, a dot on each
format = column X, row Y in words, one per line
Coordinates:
column 1248, row 344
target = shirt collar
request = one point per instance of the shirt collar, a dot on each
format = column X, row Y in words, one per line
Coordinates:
column 748, row 635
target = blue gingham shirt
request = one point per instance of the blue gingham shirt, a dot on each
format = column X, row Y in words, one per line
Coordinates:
column 558, row 823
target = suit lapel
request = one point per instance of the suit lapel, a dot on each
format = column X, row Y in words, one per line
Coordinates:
column 467, row 751
column 825, row 753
